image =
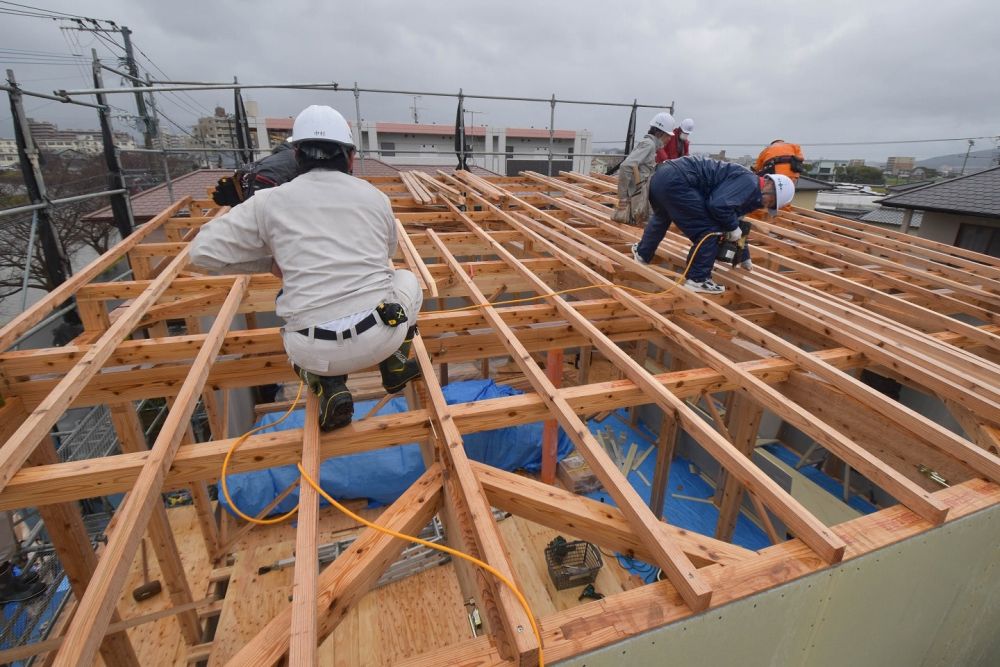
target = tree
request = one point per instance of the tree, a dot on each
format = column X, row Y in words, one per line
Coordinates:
column 861, row 175
column 66, row 174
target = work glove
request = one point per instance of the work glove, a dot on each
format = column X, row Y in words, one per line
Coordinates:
column 734, row 235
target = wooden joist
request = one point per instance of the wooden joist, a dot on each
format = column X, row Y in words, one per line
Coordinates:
column 97, row 604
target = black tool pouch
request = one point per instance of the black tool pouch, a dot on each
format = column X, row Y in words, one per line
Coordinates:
column 391, row 314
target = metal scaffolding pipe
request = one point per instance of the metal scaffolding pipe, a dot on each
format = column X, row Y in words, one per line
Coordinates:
column 337, row 88
column 56, row 202
column 55, row 98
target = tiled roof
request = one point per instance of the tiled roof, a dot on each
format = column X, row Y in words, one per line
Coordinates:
column 477, row 130
column 199, row 184
column 891, row 216
column 148, row 203
column 807, row 184
column 375, row 167
column 976, row 194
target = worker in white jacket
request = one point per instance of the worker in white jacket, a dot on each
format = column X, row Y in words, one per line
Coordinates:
column 330, row 237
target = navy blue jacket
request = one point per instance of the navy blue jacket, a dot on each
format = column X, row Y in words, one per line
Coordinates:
column 700, row 195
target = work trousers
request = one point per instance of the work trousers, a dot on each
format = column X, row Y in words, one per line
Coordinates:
column 364, row 350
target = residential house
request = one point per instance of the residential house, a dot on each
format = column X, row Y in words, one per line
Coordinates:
column 963, row 212
column 806, row 191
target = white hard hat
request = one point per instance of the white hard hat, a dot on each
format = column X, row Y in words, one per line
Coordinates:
column 687, row 125
column 321, row 123
column 784, row 189
column 663, row 121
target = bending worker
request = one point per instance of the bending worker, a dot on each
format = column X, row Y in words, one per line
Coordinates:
column 635, row 170
column 707, row 198
column 330, row 238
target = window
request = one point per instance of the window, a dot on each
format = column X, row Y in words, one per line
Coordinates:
column 979, row 238
column 569, row 150
column 388, row 148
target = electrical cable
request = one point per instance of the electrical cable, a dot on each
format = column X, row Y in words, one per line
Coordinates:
column 442, row 548
column 370, row 524
column 646, row 571
column 229, row 455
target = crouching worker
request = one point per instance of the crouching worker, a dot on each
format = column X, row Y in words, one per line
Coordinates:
column 330, row 238
column 706, row 198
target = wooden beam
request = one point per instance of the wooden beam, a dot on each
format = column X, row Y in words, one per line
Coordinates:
column 82, row 479
column 550, row 431
column 20, row 445
column 666, row 444
column 303, row 640
column 11, row 655
column 72, row 545
column 501, row 606
column 583, row 628
column 94, row 611
column 744, row 420
column 805, row 525
column 132, row 439
column 667, row 556
column 347, row 579
column 38, row 310
column 935, row 434
column 592, row 520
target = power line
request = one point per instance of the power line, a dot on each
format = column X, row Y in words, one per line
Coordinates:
column 160, row 70
column 829, row 143
column 48, row 13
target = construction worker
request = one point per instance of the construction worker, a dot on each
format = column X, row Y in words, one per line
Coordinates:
column 677, row 144
column 635, row 170
column 706, row 198
column 330, row 238
column 270, row 171
column 781, row 157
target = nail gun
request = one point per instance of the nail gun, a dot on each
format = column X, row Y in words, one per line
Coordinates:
column 730, row 251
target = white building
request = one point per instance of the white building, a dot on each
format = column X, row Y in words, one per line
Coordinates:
column 219, row 130
column 48, row 137
column 8, row 153
column 503, row 150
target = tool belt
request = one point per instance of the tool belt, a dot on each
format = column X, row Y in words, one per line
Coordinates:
column 391, row 314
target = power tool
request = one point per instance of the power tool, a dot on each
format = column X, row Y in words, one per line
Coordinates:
column 730, row 251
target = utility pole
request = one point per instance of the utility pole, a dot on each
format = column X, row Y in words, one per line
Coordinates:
column 120, row 208
column 160, row 140
column 415, row 108
column 133, row 69
column 140, row 101
column 967, row 151
column 56, row 264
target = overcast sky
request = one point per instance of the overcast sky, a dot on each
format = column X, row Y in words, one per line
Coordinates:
column 746, row 71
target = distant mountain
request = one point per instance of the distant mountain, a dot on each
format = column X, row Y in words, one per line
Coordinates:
column 978, row 160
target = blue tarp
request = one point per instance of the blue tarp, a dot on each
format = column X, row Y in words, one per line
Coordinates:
column 829, row 484
column 688, row 501
column 384, row 474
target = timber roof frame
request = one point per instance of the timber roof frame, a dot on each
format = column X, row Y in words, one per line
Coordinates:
column 829, row 297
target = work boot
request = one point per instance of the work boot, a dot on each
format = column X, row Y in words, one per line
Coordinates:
column 336, row 405
column 398, row 369
column 12, row 589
